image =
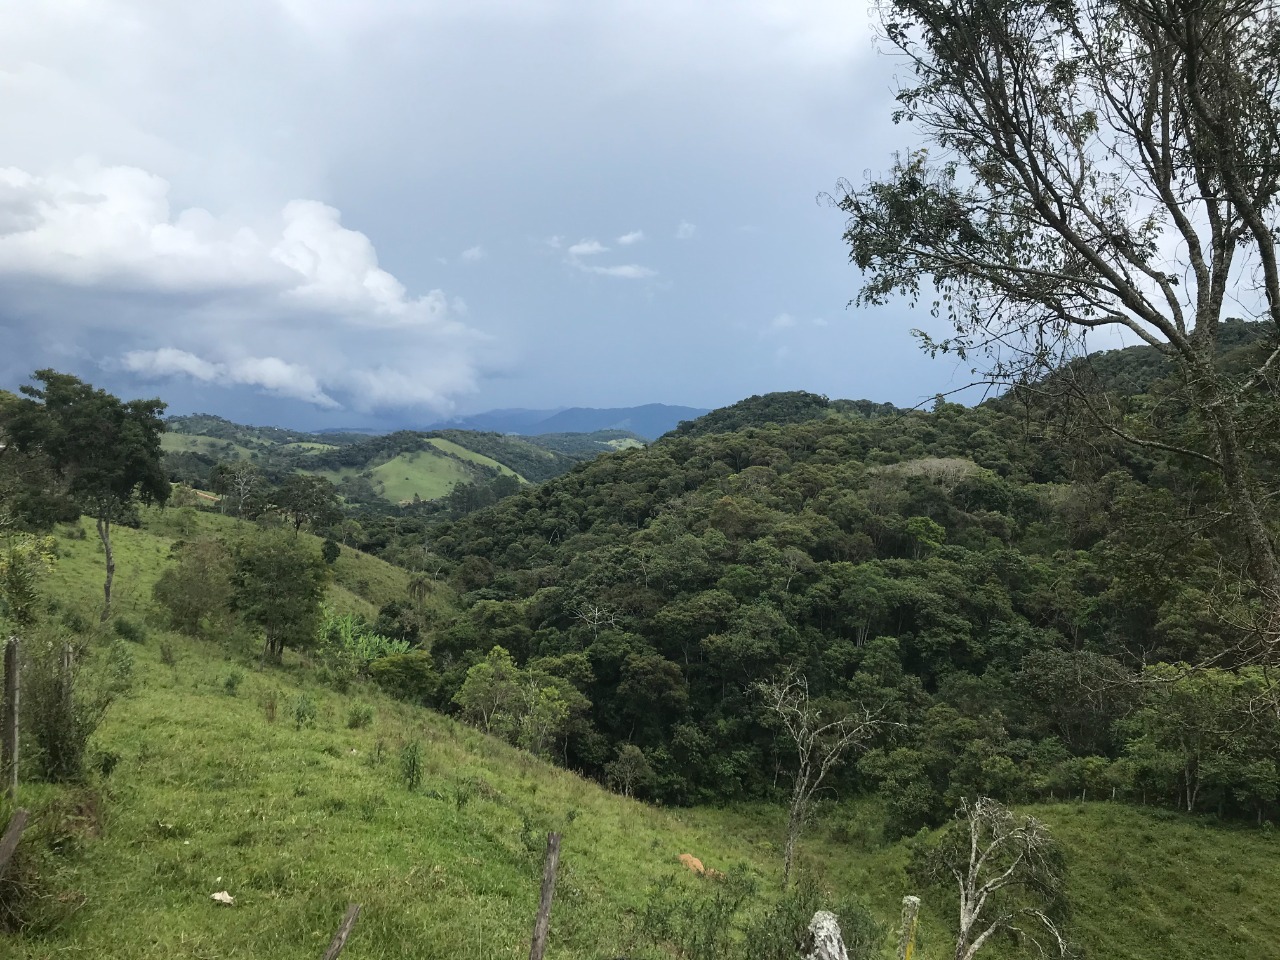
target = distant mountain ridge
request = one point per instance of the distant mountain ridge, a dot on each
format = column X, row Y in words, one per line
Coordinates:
column 650, row 420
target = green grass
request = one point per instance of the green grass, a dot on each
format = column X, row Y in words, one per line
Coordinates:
column 448, row 446
column 210, row 446
column 426, row 473
column 361, row 583
column 209, row 794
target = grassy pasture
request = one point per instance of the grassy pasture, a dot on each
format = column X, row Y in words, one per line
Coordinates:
column 209, row 446
column 448, row 446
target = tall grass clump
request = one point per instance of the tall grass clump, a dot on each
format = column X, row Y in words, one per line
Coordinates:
column 411, row 764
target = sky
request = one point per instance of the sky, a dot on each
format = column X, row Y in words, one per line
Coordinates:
column 381, row 212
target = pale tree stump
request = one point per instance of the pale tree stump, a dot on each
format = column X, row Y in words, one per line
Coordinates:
column 824, row 934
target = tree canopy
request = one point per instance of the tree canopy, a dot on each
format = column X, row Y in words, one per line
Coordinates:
column 104, row 450
column 1091, row 165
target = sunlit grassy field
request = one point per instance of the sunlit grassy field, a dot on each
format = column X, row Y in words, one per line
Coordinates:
column 448, row 446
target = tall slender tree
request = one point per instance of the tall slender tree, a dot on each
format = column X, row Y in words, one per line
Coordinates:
column 106, row 450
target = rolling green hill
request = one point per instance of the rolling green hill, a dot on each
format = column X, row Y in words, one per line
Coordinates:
column 211, row 774
column 458, row 450
column 397, row 466
column 422, row 472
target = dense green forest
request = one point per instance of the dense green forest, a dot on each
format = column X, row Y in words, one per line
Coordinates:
column 1010, row 594
column 1013, row 605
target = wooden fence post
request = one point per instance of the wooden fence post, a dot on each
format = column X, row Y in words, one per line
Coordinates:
column 542, row 926
column 910, row 915
column 344, row 930
column 9, row 721
column 9, row 842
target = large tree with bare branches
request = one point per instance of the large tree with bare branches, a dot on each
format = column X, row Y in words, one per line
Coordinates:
column 1009, row 874
column 1094, row 164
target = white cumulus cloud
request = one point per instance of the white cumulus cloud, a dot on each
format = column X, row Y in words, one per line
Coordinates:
column 472, row 254
column 635, row 236
column 587, row 248
column 625, row 271
column 292, row 303
column 686, row 230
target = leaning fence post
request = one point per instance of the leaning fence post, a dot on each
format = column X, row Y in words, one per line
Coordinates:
column 910, row 915
column 12, row 834
column 344, row 930
column 542, row 926
column 9, row 722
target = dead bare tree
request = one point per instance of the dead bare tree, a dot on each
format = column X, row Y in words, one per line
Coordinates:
column 1009, row 873
column 820, row 744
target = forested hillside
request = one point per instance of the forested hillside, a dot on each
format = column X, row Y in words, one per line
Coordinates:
column 994, row 592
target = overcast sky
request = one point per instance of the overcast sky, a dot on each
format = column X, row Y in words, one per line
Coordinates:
column 343, row 212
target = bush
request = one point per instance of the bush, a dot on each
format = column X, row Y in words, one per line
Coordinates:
column 60, row 711
column 360, row 715
column 75, row 621
column 195, row 589
column 304, row 712
column 129, row 630
column 406, row 676
column 119, row 667
column 232, row 683
column 728, row 918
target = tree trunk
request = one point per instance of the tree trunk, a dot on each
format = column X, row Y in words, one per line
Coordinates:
column 794, row 822
column 9, row 724
column 1263, row 564
column 104, row 533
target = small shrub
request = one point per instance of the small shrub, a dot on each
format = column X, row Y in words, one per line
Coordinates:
column 119, row 673
column 232, row 683
column 269, row 704
column 166, row 654
column 360, row 715
column 104, row 761
column 60, row 711
column 304, row 712
column 411, row 764
column 408, row 676
column 74, row 621
column 129, row 630
column 330, row 550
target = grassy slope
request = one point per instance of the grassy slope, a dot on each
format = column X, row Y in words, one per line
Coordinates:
column 210, row 446
column 424, row 472
column 208, row 794
column 448, row 446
